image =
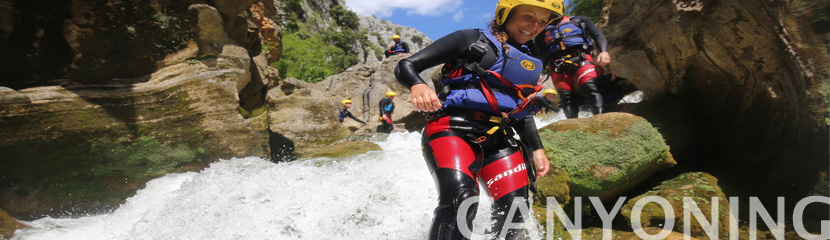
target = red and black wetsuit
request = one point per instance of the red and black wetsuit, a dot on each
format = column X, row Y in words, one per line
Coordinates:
column 581, row 73
column 455, row 157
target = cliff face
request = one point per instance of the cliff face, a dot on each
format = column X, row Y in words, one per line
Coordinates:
column 94, row 91
column 316, row 16
column 750, row 71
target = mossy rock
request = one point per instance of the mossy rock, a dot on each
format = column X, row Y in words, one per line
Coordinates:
column 596, row 233
column 700, row 187
column 344, row 149
column 606, row 154
column 555, row 185
column 8, row 225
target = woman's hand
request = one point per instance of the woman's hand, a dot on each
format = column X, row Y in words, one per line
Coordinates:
column 603, row 59
column 424, row 98
column 542, row 163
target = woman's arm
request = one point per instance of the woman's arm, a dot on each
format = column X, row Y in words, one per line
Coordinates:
column 526, row 128
column 443, row 50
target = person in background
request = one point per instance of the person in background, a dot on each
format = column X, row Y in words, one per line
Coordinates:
column 489, row 78
column 387, row 107
column 545, row 102
column 568, row 43
column 344, row 112
column 398, row 48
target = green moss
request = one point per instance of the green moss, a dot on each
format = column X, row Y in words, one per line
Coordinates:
column 345, row 149
column 698, row 186
column 199, row 59
column 599, row 158
column 253, row 113
column 824, row 90
column 143, row 158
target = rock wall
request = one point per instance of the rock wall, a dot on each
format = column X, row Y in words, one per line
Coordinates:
column 99, row 97
column 305, row 114
column 380, row 37
column 750, row 71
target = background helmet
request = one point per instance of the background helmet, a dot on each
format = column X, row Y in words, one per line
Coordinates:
column 504, row 7
column 396, row 37
column 549, row 90
column 346, row 101
column 391, row 93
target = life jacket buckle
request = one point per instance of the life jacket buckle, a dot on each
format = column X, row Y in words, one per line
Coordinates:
column 481, row 139
column 492, row 130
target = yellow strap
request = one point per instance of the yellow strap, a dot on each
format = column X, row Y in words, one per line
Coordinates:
column 495, row 119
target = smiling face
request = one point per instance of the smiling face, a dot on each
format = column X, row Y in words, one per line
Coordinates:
column 526, row 22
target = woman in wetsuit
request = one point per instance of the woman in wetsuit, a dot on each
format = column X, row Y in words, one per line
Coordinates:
column 488, row 79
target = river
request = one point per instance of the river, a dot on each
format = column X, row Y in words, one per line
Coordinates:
column 387, row 194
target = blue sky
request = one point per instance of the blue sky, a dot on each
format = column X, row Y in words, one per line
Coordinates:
column 436, row 18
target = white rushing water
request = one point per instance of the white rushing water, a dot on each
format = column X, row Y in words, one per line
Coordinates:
column 387, row 194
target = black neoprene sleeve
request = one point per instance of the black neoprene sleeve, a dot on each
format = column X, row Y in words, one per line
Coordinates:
column 595, row 33
column 526, row 128
column 441, row 51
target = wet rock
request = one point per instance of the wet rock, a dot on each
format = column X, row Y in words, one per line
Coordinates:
column 750, row 71
column 8, row 225
column 344, row 149
column 699, row 187
column 605, row 154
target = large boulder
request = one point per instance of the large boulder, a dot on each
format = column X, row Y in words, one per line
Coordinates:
column 698, row 186
column 605, row 154
column 749, row 70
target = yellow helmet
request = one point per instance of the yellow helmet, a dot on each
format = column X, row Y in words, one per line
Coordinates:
column 391, row 93
column 396, row 37
column 346, row 101
column 504, row 7
column 549, row 90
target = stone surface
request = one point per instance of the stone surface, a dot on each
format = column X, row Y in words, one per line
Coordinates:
column 701, row 188
column 84, row 144
column 749, row 70
column 306, row 113
column 605, row 154
column 8, row 225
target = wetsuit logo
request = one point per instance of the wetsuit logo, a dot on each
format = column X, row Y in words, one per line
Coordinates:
column 527, row 64
column 506, row 173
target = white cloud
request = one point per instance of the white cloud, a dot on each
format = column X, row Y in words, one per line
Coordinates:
column 384, row 8
column 458, row 16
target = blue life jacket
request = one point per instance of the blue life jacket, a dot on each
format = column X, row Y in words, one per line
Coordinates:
column 343, row 114
column 564, row 38
column 399, row 47
column 518, row 68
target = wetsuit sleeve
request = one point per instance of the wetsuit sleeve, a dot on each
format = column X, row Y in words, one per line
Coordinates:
column 595, row 33
column 355, row 118
column 544, row 103
column 443, row 50
column 526, row 128
column 405, row 47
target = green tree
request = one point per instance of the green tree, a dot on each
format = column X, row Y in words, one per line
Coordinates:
column 590, row 8
column 309, row 59
column 344, row 17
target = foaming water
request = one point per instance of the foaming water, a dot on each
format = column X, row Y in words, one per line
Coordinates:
column 386, row 194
